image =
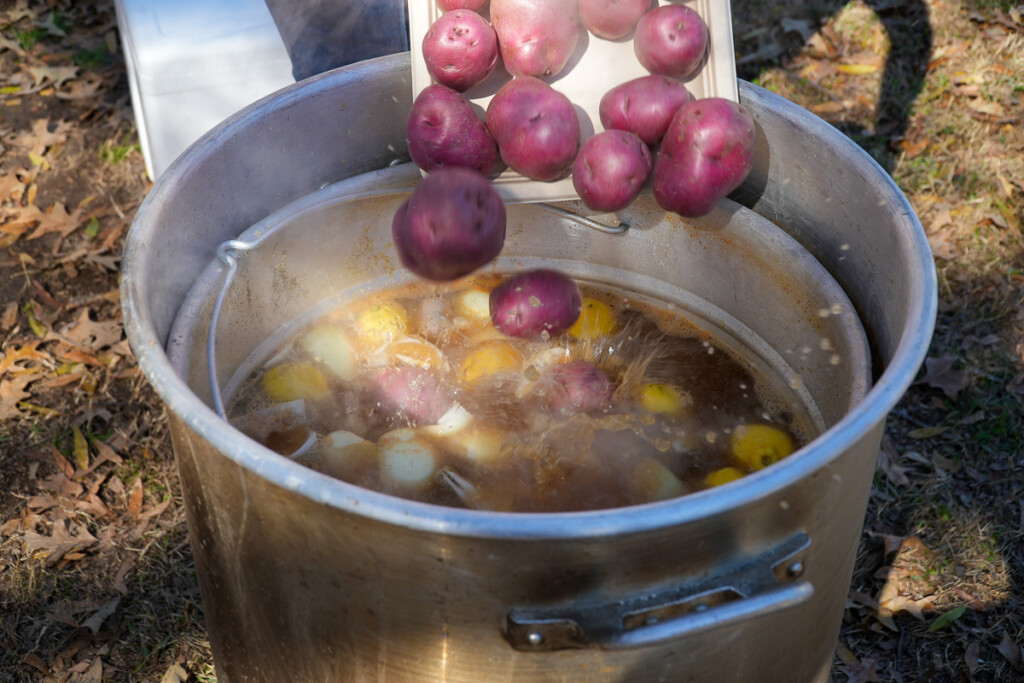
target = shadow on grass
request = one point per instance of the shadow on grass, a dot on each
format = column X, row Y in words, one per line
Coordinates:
column 909, row 30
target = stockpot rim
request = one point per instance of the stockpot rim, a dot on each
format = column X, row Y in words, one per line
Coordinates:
column 922, row 304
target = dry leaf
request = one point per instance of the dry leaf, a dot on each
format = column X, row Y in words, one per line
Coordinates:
column 61, row 541
column 41, row 138
column 135, row 499
column 80, row 449
column 906, row 589
column 94, row 622
column 888, row 459
column 20, row 219
column 57, row 219
column 37, row 663
column 28, row 351
column 857, row 69
column 60, row 483
column 9, row 317
column 939, row 374
column 94, row 674
column 11, row 186
column 831, row 107
column 971, row 657
column 86, row 86
column 57, row 75
column 1011, row 651
column 13, row 390
column 862, row 671
column 926, row 432
column 94, row 334
column 104, row 453
column 119, row 580
column 175, row 674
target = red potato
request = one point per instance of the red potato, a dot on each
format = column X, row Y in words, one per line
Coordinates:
column 453, row 223
column 444, row 130
column 671, row 40
column 643, row 106
column 536, row 128
column 706, row 153
column 582, row 387
column 536, row 303
column 460, row 49
column 611, row 169
column 412, row 391
column 537, row 37
column 449, row 5
column 612, row 19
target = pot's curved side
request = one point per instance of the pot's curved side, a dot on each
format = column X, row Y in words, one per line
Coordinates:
column 321, row 595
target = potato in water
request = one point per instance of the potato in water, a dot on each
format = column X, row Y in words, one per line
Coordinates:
column 527, row 393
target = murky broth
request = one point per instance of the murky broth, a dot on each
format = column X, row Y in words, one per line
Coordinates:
column 413, row 392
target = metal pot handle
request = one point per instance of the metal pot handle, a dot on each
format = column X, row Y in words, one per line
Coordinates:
column 754, row 587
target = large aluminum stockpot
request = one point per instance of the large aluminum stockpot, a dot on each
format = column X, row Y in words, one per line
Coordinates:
column 306, row 578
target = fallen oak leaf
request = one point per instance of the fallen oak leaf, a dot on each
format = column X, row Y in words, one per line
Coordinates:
column 939, row 374
column 58, row 543
column 11, row 185
column 57, row 75
column 92, row 334
column 40, row 137
column 94, row 674
column 81, row 88
column 57, row 219
column 12, row 391
column 59, row 483
column 28, row 351
column 20, row 219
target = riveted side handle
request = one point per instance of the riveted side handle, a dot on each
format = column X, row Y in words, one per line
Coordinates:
column 657, row 632
column 752, row 588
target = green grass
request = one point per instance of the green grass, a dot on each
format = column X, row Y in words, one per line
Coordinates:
column 116, row 150
column 28, row 38
column 87, row 58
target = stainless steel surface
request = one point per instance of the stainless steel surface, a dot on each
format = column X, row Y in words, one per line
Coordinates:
column 306, row 578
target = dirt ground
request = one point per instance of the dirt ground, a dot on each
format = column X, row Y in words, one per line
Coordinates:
column 96, row 577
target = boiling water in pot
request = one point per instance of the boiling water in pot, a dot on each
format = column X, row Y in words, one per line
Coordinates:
column 411, row 390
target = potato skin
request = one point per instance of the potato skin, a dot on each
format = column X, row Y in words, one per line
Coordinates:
column 535, row 303
column 443, row 130
column 460, row 49
column 449, row 5
column 453, row 223
column 643, row 106
column 612, row 19
column 671, row 40
column 413, row 391
column 706, row 153
column 536, row 128
column 537, row 37
column 582, row 388
column 611, row 169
